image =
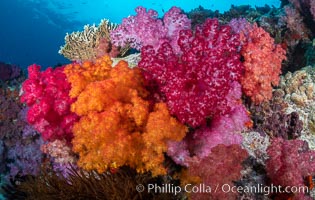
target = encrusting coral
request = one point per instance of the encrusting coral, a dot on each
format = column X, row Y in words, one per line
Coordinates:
column 271, row 118
column 134, row 132
column 299, row 90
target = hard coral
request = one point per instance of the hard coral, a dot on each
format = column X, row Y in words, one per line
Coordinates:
column 262, row 64
column 299, row 89
column 117, row 125
column 146, row 29
column 196, row 83
column 47, row 95
column 91, row 43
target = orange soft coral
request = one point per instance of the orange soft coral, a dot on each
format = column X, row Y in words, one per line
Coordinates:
column 262, row 64
column 80, row 75
column 117, row 126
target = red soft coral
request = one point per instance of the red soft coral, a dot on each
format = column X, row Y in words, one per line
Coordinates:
column 290, row 161
column 218, row 171
column 47, row 95
column 262, row 64
column 196, row 83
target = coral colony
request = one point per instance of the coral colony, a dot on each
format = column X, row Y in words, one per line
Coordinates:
column 197, row 105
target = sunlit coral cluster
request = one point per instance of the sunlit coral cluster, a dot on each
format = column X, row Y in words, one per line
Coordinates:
column 198, row 102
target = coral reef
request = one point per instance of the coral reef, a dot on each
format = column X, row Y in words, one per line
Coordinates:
column 200, row 14
column 306, row 10
column 19, row 143
column 199, row 100
column 299, row 30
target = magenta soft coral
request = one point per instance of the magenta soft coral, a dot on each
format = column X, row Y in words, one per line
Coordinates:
column 47, row 95
column 224, row 129
column 196, row 83
column 146, row 29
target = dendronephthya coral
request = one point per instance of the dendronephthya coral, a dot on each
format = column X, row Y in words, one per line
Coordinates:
column 117, row 125
column 92, row 42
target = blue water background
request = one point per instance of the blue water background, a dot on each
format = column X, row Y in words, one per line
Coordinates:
column 32, row 31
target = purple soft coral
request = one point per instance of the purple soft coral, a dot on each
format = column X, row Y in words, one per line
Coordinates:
column 27, row 157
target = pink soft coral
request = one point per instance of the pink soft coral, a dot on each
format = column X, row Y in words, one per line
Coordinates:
column 218, row 170
column 146, row 29
column 47, row 95
column 196, row 83
column 290, row 161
